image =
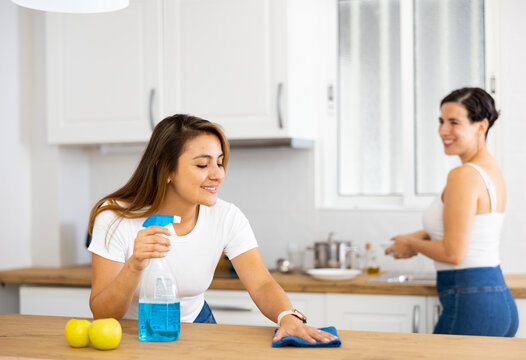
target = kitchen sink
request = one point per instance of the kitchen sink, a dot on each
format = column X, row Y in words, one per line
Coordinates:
column 406, row 277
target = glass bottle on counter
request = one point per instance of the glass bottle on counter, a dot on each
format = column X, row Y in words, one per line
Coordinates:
column 371, row 264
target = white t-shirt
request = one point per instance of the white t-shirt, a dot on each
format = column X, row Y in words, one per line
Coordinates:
column 192, row 257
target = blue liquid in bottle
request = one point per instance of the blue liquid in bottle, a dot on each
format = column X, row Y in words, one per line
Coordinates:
column 159, row 307
column 159, row 321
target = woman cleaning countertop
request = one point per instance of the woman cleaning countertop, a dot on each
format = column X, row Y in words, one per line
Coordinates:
column 178, row 177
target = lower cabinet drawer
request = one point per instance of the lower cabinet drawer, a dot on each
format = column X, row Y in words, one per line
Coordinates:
column 385, row 313
column 55, row 301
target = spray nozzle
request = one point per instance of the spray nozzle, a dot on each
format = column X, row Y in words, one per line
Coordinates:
column 161, row 220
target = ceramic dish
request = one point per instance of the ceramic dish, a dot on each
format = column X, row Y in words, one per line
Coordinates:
column 333, row 274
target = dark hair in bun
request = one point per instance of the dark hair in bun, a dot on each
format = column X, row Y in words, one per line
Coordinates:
column 479, row 104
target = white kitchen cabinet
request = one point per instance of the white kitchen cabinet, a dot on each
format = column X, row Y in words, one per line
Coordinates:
column 312, row 305
column 433, row 311
column 392, row 313
column 521, row 307
column 235, row 307
column 257, row 67
column 103, row 74
column 55, row 301
column 260, row 68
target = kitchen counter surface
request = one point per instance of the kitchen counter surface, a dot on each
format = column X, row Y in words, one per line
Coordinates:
column 81, row 276
column 67, row 275
column 42, row 337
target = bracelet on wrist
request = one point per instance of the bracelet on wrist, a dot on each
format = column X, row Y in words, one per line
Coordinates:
column 293, row 312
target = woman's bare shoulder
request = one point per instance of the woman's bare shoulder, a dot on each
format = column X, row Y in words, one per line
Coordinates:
column 463, row 182
column 462, row 174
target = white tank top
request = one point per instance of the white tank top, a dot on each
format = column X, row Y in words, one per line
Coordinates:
column 485, row 235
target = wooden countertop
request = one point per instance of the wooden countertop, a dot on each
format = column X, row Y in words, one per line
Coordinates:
column 42, row 337
column 81, row 276
column 68, row 275
column 304, row 283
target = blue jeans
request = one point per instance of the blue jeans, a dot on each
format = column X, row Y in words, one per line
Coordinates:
column 476, row 301
column 205, row 316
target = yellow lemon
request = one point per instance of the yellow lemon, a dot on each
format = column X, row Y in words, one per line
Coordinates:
column 76, row 332
column 105, row 334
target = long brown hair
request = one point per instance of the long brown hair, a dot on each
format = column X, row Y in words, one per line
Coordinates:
column 144, row 192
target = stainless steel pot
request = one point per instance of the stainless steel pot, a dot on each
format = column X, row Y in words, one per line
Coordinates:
column 331, row 253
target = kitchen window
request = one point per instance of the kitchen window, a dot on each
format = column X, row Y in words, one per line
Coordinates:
column 396, row 60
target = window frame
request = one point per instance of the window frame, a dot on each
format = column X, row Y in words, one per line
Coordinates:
column 326, row 151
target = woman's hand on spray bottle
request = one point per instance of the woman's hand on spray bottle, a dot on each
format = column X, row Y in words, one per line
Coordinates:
column 149, row 244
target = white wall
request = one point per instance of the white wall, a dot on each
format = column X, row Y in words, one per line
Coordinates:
column 15, row 204
column 513, row 122
column 45, row 244
column 44, row 188
column 59, row 179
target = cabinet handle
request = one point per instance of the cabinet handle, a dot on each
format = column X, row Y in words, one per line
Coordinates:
column 278, row 105
column 436, row 314
column 230, row 308
column 416, row 318
column 150, row 108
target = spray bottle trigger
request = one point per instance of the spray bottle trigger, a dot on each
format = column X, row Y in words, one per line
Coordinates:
column 161, row 220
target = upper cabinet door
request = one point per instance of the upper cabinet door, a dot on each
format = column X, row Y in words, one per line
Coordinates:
column 104, row 74
column 224, row 62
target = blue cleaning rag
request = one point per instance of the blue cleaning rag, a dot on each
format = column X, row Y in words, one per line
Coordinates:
column 294, row 341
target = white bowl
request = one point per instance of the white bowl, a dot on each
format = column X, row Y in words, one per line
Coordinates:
column 333, row 274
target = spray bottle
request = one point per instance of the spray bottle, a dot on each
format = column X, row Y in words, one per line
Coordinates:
column 159, row 307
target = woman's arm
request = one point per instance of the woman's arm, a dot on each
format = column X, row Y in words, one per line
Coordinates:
column 421, row 234
column 112, row 287
column 113, row 283
column 460, row 207
column 271, row 299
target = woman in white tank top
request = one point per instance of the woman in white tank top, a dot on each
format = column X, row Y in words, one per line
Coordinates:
column 462, row 226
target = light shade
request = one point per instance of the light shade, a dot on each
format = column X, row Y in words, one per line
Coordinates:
column 74, row 6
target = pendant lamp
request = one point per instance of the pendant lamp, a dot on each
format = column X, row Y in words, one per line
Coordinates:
column 74, row 6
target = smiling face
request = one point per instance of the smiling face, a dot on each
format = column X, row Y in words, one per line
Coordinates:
column 199, row 172
column 459, row 135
